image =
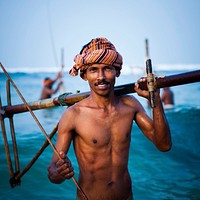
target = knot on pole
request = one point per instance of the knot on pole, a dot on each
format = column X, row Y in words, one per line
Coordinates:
column 61, row 98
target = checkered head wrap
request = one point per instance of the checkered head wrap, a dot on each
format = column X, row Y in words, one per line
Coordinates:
column 99, row 51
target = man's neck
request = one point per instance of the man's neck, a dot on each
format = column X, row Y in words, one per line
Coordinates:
column 104, row 102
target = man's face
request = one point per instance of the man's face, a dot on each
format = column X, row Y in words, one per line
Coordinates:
column 101, row 78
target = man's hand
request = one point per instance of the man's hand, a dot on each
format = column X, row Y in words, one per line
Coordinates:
column 64, row 166
column 144, row 93
column 60, row 170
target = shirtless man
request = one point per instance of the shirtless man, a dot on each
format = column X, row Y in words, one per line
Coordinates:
column 48, row 83
column 100, row 128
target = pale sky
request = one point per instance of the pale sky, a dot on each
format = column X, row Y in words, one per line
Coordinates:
column 32, row 32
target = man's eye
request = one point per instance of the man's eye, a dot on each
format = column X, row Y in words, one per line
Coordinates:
column 92, row 69
column 109, row 68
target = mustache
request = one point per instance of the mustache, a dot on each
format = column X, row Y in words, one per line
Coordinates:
column 101, row 82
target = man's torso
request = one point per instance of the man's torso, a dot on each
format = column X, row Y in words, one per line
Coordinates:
column 101, row 144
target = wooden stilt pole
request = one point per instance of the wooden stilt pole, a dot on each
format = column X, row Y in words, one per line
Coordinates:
column 9, row 162
column 62, row 70
column 46, row 143
column 12, row 130
column 147, row 48
column 167, row 81
column 7, row 111
column 41, row 128
column 161, row 82
column 67, row 100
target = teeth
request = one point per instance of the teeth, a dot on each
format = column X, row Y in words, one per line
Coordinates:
column 102, row 86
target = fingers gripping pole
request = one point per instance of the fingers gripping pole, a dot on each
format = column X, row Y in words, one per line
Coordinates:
column 41, row 128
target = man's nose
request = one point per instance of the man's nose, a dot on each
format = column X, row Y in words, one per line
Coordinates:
column 101, row 74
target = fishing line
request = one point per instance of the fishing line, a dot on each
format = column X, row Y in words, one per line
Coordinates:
column 51, row 34
column 53, row 44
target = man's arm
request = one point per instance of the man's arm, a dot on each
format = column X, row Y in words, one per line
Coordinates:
column 59, row 75
column 50, row 91
column 57, row 88
column 157, row 130
column 61, row 169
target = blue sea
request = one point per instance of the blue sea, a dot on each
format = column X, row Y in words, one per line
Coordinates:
column 173, row 175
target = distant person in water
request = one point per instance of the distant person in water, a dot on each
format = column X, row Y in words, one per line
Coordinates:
column 48, row 83
column 167, row 98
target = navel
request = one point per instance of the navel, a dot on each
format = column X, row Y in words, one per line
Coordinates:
column 110, row 183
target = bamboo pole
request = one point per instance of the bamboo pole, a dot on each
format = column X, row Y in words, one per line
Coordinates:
column 147, row 48
column 6, row 145
column 167, row 81
column 161, row 82
column 12, row 130
column 46, row 143
column 41, row 128
column 36, row 105
column 62, row 89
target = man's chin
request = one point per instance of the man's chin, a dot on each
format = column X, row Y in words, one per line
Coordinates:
column 104, row 93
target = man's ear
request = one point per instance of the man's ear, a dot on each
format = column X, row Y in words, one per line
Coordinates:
column 118, row 72
column 84, row 77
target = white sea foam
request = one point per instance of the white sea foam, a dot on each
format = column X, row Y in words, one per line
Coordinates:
column 32, row 70
column 127, row 69
column 177, row 67
column 164, row 67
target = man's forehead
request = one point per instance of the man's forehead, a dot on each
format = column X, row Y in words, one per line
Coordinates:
column 99, row 65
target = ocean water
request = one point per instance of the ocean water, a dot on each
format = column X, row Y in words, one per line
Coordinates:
column 155, row 175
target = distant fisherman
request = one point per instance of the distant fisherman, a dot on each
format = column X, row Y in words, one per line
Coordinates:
column 48, row 83
column 100, row 127
column 168, row 98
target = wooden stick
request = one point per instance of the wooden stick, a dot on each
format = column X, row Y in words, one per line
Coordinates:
column 12, row 130
column 62, row 70
column 46, row 143
column 167, row 81
column 6, row 146
column 147, row 48
column 41, row 128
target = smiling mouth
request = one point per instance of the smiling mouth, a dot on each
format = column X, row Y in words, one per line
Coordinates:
column 102, row 84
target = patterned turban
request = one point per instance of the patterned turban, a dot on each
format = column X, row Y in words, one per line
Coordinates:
column 100, row 51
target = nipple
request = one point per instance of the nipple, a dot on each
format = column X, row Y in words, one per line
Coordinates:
column 94, row 141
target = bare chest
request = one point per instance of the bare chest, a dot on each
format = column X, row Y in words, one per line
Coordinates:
column 101, row 129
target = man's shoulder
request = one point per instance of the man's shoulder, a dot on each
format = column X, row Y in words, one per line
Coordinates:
column 128, row 99
column 82, row 103
column 77, row 106
column 75, row 111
